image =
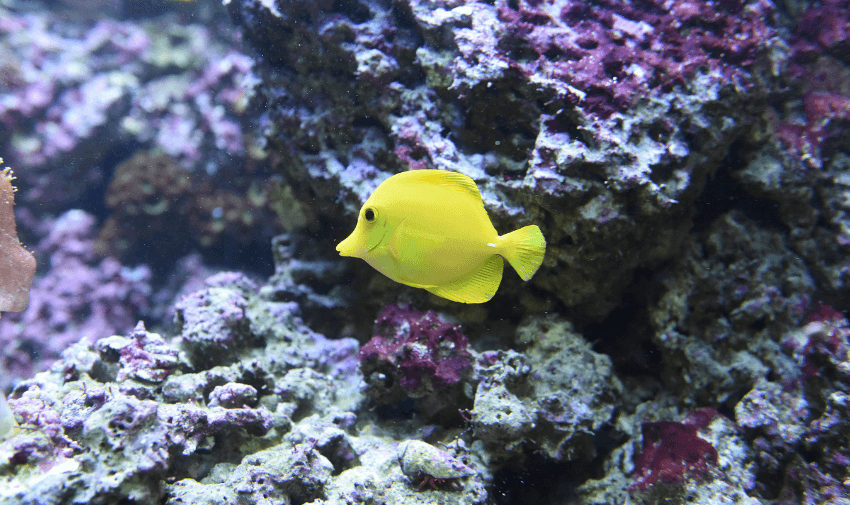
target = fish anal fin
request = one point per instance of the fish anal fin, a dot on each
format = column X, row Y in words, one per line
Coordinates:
column 478, row 287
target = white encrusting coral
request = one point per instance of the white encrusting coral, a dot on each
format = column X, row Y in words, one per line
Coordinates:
column 7, row 418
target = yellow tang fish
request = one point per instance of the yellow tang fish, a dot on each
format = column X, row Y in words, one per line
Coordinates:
column 428, row 229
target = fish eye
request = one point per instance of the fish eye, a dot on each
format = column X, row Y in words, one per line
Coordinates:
column 369, row 214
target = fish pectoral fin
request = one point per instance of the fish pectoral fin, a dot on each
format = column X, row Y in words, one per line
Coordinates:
column 477, row 287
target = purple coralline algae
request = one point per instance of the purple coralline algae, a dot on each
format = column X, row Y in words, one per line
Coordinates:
column 178, row 88
column 598, row 122
column 233, row 395
column 609, row 54
column 78, row 98
column 141, row 355
column 702, row 459
column 806, row 415
column 115, row 406
column 674, row 451
column 684, row 342
column 721, row 320
column 817, row 46
column 151, row 420
column 79, row 296
column 414, row 354
column 797, row 160
column 211, row 322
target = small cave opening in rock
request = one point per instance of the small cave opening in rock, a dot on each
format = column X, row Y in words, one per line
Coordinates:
column 722, row 193
column 498, row 118
column 625, row 335
column 541, row 480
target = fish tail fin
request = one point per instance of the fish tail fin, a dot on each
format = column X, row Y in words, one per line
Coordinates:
column 524, row 250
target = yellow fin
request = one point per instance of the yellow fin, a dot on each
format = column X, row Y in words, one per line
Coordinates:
column 445, row 178
column 524, row 249
column 476, row 288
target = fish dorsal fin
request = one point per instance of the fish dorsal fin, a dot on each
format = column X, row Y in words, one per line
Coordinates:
column 476, row 288
column 443, row 178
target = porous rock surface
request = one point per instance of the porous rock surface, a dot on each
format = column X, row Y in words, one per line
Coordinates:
column 599, row 122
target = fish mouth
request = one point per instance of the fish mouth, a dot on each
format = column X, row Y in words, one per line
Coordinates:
column 351, row 246
column 346, row 247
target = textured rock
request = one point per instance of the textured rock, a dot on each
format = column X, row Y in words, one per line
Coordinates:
column 76, row 295
column 583, row 119
column 415, row 355
column 703, row 459
column 684, row 342
column 726, row 306
column 554, row 397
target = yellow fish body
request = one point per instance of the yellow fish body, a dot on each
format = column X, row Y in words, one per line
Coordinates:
column 428, row 229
